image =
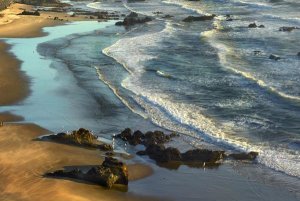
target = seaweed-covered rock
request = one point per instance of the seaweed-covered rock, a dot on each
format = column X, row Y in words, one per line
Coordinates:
column 199, row 18
column 109, row 173
column 244, row 156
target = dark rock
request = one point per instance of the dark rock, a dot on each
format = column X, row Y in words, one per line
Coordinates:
column 165, row 155
column 199, row 18
column 208, row 157
column 168, row 16
column 141, row 153
column 274, row 57
column 132, row 19
column 156, row 137
column 109, row 173
column 298, row 54
column 253, row 25
column 257, row 52
column 136, row 138
column 125, row 134
column 35, row 13
column 229, row 19
column 244, row 156
column 288, row 29
column 261, row 26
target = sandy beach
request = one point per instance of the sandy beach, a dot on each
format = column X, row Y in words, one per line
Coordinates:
column 58, row 79
column 24, row 161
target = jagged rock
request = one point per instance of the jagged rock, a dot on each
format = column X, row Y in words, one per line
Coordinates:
column 244, row 156
column 81, row 137
column 132, row 19
column 199, row 18
column 274, row 57
column 288, row 29
column 109, row 173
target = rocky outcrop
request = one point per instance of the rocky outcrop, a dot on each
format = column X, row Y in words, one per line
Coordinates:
column 149, row 138
column 80, row 137
column 155, row 149
column 109, row 173
column 254, row 25
column 132, row 19
column 199, row 18
column 288, row 29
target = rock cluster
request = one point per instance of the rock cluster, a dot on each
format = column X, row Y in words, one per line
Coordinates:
column 35, row 13
column 109, row 173
column 155, row 149
column 149, row 138
column 288, row 29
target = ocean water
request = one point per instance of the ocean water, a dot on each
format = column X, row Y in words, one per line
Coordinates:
column 201, row 79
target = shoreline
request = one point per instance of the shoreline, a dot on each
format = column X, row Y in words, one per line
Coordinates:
column 34, row 158
column 31, row 159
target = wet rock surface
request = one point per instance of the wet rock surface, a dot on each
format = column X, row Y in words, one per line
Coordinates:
column 112, row 171
column 81, row 137
column 133, row 19
column 199, row 18
column 156, row 150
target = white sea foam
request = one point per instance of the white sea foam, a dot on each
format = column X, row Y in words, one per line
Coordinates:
column 185, row 118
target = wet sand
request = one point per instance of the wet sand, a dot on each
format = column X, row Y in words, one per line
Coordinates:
column 23, row 161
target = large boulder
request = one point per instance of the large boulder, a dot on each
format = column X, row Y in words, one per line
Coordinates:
column 199, row 18
column 208, row 157
column 109, row 173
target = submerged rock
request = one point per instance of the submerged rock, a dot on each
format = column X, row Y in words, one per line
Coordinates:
column 254, row 25
column 81, row 137
column 109, row 173
column 288, row 29
column 274, row 57
column 132, row 19
column 199, row 18
column 244, row 156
